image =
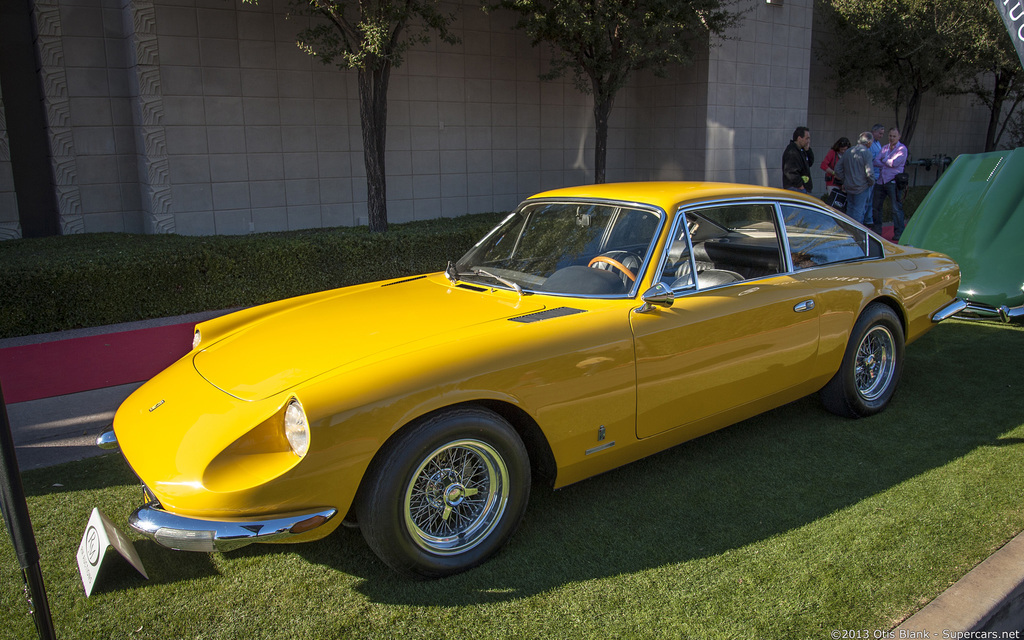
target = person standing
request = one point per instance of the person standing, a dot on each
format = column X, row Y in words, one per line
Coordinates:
column 890, row 163
column 796, row 162
column 877, row 134
column 855, row 170
column 828, row 165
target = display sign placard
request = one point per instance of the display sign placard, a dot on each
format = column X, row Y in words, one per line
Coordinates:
column 100, row 536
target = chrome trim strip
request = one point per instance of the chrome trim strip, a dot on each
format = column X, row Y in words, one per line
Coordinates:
column 678, row 227
column 201, row 534
column 389, row 284
column 600, row 448
column 107, row 440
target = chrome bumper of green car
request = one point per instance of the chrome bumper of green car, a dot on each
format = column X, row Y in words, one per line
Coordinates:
column 973, row 310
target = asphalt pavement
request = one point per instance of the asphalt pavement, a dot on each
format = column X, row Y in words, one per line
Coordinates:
column 62, row 428
column 986, row 603
column 50, row 431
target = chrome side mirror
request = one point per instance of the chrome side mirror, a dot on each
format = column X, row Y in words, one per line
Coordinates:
column 660, row 295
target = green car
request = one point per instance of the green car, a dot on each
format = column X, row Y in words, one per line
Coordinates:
column 975, row 215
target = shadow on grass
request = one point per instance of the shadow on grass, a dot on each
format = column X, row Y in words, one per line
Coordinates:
column 162, row 567
column 749, row 482
column 961, row 390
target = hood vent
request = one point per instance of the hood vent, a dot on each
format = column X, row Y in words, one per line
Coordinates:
column 547, row 314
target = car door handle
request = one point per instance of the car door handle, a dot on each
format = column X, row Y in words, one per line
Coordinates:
column 806, row 305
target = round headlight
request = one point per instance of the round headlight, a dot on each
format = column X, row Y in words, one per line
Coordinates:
column 296, row 430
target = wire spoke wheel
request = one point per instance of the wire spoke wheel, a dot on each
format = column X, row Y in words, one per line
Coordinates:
column 446, row 493
column 871, row 367
column 456, row 497
column 875, row 363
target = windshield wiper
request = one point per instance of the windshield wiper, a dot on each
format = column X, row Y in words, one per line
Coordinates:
column 453, row 274
column 504, row 281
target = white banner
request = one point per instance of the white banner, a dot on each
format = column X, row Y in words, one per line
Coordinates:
column 1012, row 12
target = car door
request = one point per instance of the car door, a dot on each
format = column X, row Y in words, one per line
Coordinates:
column 728, row 340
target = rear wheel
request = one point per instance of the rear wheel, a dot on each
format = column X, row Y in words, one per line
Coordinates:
column 871, row 367
column 447, row 494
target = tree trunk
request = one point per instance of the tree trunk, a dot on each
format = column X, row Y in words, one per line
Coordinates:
column 910, row 121
column 602, row 109
column 995, row 110
column 373, row 116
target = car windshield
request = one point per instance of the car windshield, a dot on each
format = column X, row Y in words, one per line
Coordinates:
column 566, row 248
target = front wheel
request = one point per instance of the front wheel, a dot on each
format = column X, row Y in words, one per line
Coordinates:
column 447, row 494
column 871, row 367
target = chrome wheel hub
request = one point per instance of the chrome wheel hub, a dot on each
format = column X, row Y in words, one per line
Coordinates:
column 455, row 494
column 456, row 497
column 875, row 363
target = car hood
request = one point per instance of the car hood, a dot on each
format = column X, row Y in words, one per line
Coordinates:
column 975, row 215
column 313, row 335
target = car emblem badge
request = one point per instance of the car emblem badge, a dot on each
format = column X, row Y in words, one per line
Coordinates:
column 156, row 406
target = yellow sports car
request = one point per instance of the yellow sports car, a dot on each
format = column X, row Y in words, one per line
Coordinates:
column 594, row 326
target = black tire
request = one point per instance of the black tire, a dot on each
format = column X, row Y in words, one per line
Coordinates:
column 871, row 366
column 446, row 494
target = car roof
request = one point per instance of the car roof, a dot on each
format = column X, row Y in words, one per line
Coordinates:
column 669, row 195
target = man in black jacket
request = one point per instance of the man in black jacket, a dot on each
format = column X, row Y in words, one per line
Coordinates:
column 796, row 162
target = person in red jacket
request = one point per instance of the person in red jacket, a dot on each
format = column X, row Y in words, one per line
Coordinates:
column 828, row 165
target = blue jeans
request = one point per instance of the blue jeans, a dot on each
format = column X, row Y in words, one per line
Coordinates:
column 883, row 191
column 857, row 205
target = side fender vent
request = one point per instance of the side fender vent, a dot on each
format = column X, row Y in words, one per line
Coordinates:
column 547, row 314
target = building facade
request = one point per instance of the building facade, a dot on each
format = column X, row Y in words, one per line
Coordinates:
column 203, row 117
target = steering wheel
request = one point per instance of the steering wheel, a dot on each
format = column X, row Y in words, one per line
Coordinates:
column 614, row 263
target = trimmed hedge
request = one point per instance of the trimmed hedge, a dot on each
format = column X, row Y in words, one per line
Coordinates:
column 87, row 280
column 67, row 282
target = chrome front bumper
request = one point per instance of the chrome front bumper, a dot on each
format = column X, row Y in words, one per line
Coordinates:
column 198, row 534
column 185, row 533
column 973, row 310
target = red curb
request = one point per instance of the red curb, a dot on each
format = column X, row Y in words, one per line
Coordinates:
column 48, row 369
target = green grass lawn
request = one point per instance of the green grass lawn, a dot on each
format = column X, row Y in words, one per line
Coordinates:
column 785, row 526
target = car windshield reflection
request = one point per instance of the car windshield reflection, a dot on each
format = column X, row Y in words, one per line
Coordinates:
column 584, row 249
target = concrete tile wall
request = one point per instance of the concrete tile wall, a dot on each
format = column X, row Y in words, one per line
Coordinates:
column 262, row 137
column 97, row 180
column 472, row 128
column 758, row 85
column 203, row 117
column 10, row 226
column 670, row 136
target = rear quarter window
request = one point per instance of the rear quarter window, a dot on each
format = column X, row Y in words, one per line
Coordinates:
column 817, row 238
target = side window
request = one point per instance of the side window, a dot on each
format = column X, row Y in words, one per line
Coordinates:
column 817, row 238
column 727, row 243
column 735, row 242
column 678, row 271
